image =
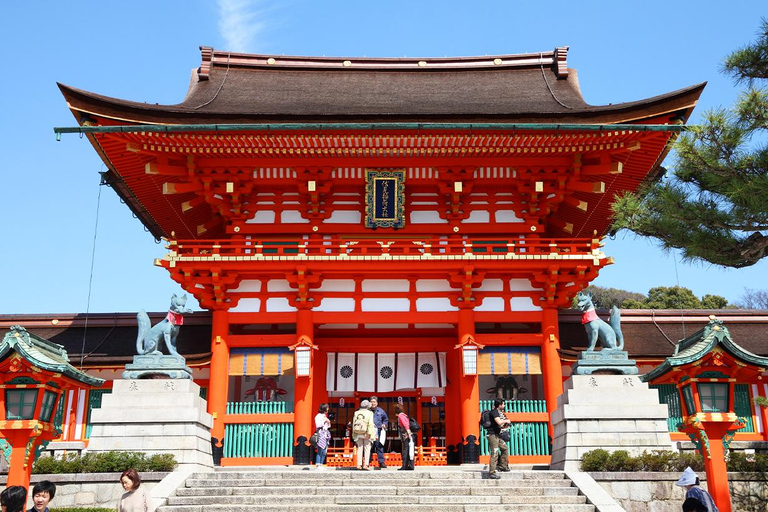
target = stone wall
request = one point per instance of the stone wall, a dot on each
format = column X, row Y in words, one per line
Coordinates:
column 657, row 492
column 89, row 489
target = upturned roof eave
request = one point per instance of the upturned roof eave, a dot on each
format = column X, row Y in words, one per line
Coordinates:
column 17, row 345
column 84, row 104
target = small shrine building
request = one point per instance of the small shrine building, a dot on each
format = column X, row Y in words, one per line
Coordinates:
column 384, row 214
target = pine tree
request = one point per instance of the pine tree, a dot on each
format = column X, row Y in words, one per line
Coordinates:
column 714, row 207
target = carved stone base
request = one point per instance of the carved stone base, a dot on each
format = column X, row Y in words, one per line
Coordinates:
column 605, row 361
column 612, row 412
column 157, row 366
column 155, row 416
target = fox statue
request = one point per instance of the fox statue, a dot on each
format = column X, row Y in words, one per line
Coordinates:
column 149, row 339
column 609, row 333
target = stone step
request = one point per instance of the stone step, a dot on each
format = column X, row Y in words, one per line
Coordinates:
column 344, row 499
column 505, row 481
column 355, row 474
column 383, row 508
column 381, row 489
column 342, row 490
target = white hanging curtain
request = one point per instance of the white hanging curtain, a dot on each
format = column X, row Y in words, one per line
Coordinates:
column 386, row 372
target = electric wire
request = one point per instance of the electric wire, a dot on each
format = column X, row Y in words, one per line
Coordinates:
column 90, row 277
column 220, row 86
column 541, row 65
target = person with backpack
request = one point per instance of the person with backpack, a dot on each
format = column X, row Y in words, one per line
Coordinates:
column 380, row 420
column 323, row 432
column 363, row 431
column 406, row 437
column 696, row 498
column 498, row 436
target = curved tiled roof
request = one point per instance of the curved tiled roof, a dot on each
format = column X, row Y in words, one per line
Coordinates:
column 43, row 354
column 240, row 88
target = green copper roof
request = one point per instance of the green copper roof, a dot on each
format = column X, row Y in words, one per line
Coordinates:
column 43, row 354
column 699, row 344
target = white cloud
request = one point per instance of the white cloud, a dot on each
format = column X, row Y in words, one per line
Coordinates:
column 240, row 24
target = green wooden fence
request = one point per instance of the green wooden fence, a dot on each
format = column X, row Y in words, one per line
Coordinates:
column 94, row 402
column 258, row 440
column 743, row 407
column 669, row 395
column 527, row 438
column 259, row 407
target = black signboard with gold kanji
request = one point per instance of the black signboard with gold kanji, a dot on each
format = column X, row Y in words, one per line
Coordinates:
column 384, row 199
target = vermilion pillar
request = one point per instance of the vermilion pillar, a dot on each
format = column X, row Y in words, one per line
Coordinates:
column 20, row 468
column 469, row 392
column 553, row 373
column 452, row 404
column 219, row 381
column 763, row 411
column 714, row 460
column 303, row 407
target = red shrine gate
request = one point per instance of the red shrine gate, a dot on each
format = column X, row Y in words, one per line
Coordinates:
column 400, row 227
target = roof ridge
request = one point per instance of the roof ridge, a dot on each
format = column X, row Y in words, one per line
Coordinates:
column 210, row 57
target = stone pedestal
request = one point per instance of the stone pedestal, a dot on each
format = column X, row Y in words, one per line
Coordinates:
column 149, row 366
column 605, row 360
column 612, row 412
column 155, row 416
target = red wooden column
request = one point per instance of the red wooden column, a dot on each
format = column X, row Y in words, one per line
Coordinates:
column 303, row 406
column 219, row 381
column 763, row 411
column 469, row 392
column 452, row 404
column 553, row 373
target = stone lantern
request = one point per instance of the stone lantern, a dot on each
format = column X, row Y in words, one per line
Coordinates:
column 34, row 373
column 705, row 368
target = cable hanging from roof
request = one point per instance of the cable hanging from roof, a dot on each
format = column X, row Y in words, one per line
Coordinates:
column 541, row 65
column 220, row 86
column 102, row 182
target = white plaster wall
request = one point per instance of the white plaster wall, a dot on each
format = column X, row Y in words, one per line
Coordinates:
column 262, row 217
column 478, row 217
column 386, row 305
column 435, row 304
column 523, row 304
column 249, row 285
column 507, row 216
column 292, row 217
column 427, row 217
column 336, row 304
column 386, row 285
column 337, row 285
column 491, row 304
column 278, row 285
column 491, row 285
column 344, row 217
column 247, row 306
column 433, row 285
column 279, row 305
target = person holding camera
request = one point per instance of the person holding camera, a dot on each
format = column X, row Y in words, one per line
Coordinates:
column 497, row 440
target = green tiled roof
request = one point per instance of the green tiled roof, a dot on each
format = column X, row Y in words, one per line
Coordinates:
column 700, row 344
column 43, row 354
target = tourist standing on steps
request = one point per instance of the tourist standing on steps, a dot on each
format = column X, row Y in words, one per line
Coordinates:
column 42, row 494
column 690, row 481
column 323, row 429
column 406, row 437
column 380, row 421
column 363, row 431
column 136, row 498
column 496, row 444
column 13, row 499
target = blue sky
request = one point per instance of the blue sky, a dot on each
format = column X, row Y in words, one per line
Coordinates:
column 144, row 51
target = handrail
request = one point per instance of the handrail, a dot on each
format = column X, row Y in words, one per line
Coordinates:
column 256, row 248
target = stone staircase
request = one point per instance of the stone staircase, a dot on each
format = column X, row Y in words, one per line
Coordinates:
column 426, row 489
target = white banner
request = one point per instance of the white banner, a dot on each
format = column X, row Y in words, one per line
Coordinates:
column 366, row 372
column 431, row 370
column 341, row 372
column 406, row 371
column 385, row 373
